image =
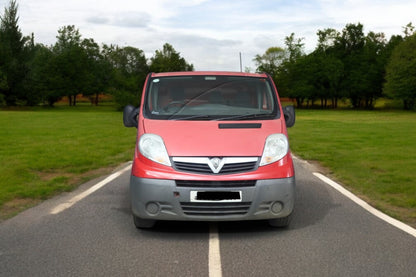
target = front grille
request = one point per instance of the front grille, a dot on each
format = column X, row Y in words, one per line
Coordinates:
column 228, row 165
column 215, row 184
column 193, row 167
column 240, row 167
column 215, row 209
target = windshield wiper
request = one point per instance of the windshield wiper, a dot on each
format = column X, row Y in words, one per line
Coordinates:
column 192, row 117
column 246, row 116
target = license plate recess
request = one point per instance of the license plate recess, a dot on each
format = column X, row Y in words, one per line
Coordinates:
column 216, row 196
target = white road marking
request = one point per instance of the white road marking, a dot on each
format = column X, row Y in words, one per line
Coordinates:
column 214, row 259
column 63, row 206
column 398, row 224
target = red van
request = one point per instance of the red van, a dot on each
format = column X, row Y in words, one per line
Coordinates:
column 211, row 146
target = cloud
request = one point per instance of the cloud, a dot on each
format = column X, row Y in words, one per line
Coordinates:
column 98, row 20
column 136, row 19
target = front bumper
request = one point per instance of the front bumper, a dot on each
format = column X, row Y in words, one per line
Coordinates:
column 161, row 199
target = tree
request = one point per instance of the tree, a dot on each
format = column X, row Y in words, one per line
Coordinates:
column 168, row 60
column 129, row 70
column 348, row 48
column 97, row 71
column 326, row 77
column 373, row 65
column 13, row 56
column 401, row 73
column 43, row 77
column 326, row 39
column 294, row 47
column 271, row 61
column 409, row 29
column 74, row 62
column 298, row 79
column 362, row 61
column 329, row 68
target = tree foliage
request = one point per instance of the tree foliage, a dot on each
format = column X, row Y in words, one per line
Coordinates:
column 168, row 59
column 401, row 73
column 14, row 54
column 346, row 64
column 129, row 69
column 271, row 60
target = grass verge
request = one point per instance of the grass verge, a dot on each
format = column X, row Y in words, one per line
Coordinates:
column 47, row 151
column 373, row 153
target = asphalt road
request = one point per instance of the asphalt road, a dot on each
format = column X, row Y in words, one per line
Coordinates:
column 329, row 236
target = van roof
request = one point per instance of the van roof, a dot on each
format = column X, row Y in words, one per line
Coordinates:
column 222, row 73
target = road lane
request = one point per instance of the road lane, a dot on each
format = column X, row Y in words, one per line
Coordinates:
column 329, row 236
column 96, row 237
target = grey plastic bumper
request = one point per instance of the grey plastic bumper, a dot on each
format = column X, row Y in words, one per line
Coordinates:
column 163, row 200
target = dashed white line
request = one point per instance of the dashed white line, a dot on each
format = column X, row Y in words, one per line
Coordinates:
column 398, row 224
column 63, row 206
column 214, row 257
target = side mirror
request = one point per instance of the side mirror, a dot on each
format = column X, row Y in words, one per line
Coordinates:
column 130, row 114
column 289, row 112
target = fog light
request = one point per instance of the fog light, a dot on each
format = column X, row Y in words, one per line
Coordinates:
column 277, row 207
column 152, row 208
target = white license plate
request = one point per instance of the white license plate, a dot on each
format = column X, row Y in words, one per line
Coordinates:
column 216, row 196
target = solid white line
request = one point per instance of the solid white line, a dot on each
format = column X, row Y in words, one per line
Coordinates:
column 214, row 259
column 398, row 224
column 63, row 206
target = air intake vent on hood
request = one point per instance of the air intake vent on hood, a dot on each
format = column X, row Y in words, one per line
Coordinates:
column 239, row 125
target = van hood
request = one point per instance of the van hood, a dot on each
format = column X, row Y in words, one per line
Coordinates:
column 213, row 138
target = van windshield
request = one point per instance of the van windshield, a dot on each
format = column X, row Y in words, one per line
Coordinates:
column 210, row 98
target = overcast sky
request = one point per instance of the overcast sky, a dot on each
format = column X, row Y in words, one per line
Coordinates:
column 210, row 34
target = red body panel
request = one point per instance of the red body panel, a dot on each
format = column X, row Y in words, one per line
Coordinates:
column 204, row 138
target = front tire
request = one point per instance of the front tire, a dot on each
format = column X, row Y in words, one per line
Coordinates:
column 141, row 223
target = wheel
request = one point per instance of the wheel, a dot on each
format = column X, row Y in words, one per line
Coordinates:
column 141, row 223
column 280, row 222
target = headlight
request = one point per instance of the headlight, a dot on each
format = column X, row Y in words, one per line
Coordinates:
column 152, row 147
column 275, row 148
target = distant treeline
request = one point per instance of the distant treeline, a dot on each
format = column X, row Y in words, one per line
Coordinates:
column 32, row 74
column 346, row 64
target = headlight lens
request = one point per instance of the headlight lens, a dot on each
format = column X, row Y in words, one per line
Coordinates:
column 275, row 148
column 152, row 147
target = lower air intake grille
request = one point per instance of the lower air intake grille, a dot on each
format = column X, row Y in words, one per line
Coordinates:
column 215, row 209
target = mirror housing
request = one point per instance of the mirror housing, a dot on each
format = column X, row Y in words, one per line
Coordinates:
column 290, row 117
column 130, row 114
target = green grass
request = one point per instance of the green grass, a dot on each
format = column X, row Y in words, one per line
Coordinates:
column 45, row 151
column 373, row 153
